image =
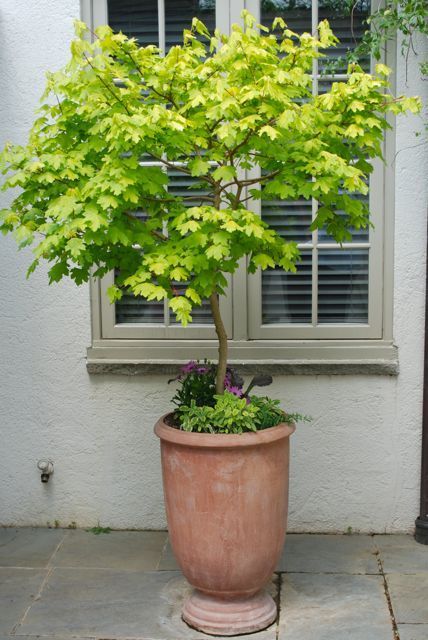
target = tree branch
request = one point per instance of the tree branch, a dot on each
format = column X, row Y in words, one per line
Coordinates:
column 113, row 93
column 222, row 343
column 165, row 97
column 219, row 325
column 246, row 183
column 159, row 235
column 168, row 98
column 153, row 232
column 183, row 169
column 184, row 198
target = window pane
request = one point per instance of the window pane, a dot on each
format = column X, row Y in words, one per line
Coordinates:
column 132, row 309
column 349, row 29
column 200, row 315
column 136, row 19
column 179, row 14
column 287, row 297
column 358, row 235
column 183, row 185
column 296, row 13
column 343, row 286
column 291, row 219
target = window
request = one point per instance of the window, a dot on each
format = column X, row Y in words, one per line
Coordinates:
column 337, row 305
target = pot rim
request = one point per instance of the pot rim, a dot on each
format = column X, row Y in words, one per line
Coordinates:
column 222, row 440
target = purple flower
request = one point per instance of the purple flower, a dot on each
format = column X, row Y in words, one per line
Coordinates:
column 235, row 390
column 202, row 370
column 193, row 367
column 189, row 367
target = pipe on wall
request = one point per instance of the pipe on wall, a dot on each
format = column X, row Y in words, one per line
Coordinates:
column 421, row 532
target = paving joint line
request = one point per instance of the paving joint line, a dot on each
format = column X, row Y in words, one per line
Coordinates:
column 278, row 583
column 18, row 567
column 162, row 553
column 71, row 637
column 103, row 569
column 331, row 573
column 57, row 548
column 4, row 544
column 395, row 632
column 49, row 569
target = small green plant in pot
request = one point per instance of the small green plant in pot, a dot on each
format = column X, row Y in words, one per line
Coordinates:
column 214, row 108
column 200, row 409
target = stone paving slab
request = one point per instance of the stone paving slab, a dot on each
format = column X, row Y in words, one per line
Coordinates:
column 402, row 554
column 309, row 553
column 104, row 603
column 168, row 561
column 413, row 631
column 125, row 585
column 124, row 550
column 409, row 597
column 18, row 588
column 28, row 547
column 333, row 607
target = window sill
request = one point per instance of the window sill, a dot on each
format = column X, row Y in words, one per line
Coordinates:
column 152, row 357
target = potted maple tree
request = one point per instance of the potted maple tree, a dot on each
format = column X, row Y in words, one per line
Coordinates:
column 92, row 197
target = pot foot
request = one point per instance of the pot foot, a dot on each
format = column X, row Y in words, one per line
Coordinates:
column 229, row 617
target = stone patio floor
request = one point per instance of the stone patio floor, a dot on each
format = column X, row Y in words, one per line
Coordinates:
column 64, row 584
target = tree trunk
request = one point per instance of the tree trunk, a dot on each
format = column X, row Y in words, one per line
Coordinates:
column 222, row 343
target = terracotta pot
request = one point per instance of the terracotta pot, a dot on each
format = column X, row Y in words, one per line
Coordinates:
column 226, row 499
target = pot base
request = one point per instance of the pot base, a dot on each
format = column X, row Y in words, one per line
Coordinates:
column 229, row 617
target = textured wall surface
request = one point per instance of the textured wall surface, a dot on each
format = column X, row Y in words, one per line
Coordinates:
column 357, row 465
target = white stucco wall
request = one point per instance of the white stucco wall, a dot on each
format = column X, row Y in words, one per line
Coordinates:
column 357, row 465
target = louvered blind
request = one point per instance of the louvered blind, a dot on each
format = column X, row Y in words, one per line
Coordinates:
column 137, row 19
column 348, row 28
column 179, row 14
column 298, row 16
column 343, row 286
column 331, row 285
column 142, row 19
column 286, row 297
column 131, row 309
column 180, row 185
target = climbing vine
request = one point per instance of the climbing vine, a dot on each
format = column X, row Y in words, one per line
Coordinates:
column 405, row 19
column 408, row 18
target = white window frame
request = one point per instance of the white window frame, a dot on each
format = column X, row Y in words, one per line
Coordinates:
column 362, row 347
